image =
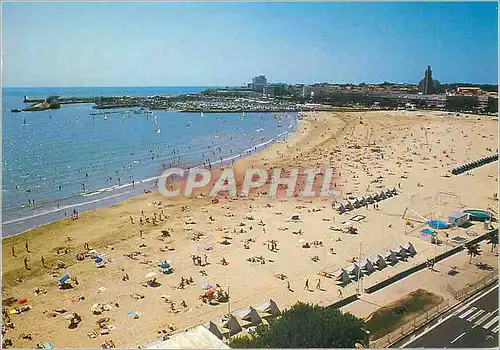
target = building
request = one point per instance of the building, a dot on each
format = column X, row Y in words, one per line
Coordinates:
column 435, row 101
column 258, row 82
column 427, row 85
column 194, row 338
column 468, row 90
column 306, row 91
column 458, row 218
column 271, row 90
column 483, row 101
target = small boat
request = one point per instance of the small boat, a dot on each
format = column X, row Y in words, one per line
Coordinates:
column 259, row 130
column 201, row 114
column 105, row 116
column 155, row 125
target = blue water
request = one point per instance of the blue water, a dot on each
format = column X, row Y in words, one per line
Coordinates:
column 75, row 158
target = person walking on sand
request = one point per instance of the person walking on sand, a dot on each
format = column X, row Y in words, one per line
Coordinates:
column 288, row 285
column 141, row 234
column 318, row 286
column 205, row 257
column 86, row 245
column 27, row 247
column 26, row 263
column 306, row 286
column 131, row 219
column 14, row 252
column 340, row 293
column 43, row 262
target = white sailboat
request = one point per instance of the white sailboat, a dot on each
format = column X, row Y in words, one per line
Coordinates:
column 105, row 116
column 155, row 125
column 201, row 114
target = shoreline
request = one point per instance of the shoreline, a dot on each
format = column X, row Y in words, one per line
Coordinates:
column 114, row 199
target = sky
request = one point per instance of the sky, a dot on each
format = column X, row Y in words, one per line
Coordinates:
column 220, row 44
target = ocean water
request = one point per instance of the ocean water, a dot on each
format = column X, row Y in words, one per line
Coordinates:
column 76, row 158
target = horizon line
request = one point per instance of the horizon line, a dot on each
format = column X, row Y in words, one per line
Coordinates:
column 218, row 86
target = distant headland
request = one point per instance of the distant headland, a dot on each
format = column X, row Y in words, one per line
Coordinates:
column 261, row 96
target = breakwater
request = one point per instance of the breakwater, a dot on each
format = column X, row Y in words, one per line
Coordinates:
column 183, row 103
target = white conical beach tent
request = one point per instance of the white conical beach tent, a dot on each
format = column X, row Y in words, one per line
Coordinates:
column 354, row 271
column 341, row 208
column 342, row 276
column 391, row 257
column 270, row 308
column 215, row 329
column 379, row 261
column 250, row 316
column 367, row 266
column 232, row 324
column 401, row 252
column 410, row 248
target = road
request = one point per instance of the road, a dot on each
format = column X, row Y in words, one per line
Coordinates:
column 473, row 324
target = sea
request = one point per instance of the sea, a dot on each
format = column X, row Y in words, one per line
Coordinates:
column 77, row 157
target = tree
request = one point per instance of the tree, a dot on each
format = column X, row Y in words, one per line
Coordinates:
column 493, row 239
column 306, row 326
column 473, row 250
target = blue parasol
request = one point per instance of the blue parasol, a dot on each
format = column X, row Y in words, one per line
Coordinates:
column 206, row 286
column 63, row 279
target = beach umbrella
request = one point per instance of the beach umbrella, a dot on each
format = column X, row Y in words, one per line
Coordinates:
column 98, row 260
column 63, row 279
column 151, row 275
column 165, row 265
column 206, row 286
column 209, row 293
column 22, row 300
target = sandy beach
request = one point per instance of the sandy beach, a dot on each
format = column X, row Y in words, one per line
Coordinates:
column 412, row 151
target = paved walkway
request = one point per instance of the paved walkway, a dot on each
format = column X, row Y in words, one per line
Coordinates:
column 433, row 281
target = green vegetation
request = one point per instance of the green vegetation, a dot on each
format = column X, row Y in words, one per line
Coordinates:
column 493, row 239
column 305, row 326
column 473, row 249
column 389, row 318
